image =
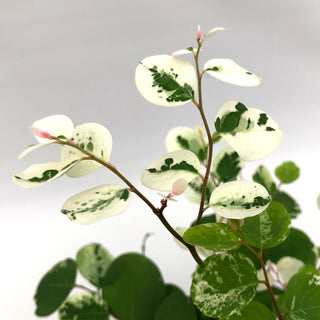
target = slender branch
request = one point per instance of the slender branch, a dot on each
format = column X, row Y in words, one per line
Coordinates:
column 144, row 241
column 80, row 286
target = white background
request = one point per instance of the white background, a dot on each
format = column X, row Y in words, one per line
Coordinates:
column 78, row 58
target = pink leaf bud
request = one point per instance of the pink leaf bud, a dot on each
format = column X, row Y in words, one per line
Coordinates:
column 179, row 187
column 199, row 33
column 40, row 133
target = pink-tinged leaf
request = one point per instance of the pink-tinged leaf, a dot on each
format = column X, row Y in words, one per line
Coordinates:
column 41, row 133
column 179, row 187
column 199, row 33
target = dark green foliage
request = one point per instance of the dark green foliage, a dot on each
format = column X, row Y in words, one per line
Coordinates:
column 228, row 168
column 288, row 202
column 263, row 176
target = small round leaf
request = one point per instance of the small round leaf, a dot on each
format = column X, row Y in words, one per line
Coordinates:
column 194, row 188
column 287, row 172
column 263, row 176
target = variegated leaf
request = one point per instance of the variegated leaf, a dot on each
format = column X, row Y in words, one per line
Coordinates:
column 93, row 138
column 97, row 203
column 184, row 51
column 162, row 173
column 239, row 199
column 251, row 132
column 39, row 174
column 193, row 191
column 166, row 80
column 228, row 71
column 212, row 32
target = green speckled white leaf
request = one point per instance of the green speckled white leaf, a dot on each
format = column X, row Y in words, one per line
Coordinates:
column 166, row 80
column 41, row 173
column 254, row 136
column 162, row 173
column 97, row 203
column 239, row 199
column 94, row 138
column 193, row 191
column 228, row 71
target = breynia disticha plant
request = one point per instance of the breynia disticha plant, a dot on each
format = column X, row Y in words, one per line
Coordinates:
column 251, row 264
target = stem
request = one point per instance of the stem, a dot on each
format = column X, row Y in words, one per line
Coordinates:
column 80, row 286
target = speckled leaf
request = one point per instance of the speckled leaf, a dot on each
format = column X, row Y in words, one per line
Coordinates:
column 93, row 138
column 288, row 202
column 227, row 165
column 134, row 287
column 287, row 172
column 84, row 306
column 297, row 245
column 162, row 173
column 41, row 173
column 212, row 236
column 228, row 71
column 249, row 131
column 224, row 283
column 93, row 261
column 55, row 286
column 302, row 296
column 269, row 228
column 263, row 176
column 253, row 311
column 97, row 203
column 184, row 138
column 194, row 188
column 166, row 80
column 239, row 199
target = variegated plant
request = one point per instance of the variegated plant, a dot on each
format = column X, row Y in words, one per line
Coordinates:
column 241, row 226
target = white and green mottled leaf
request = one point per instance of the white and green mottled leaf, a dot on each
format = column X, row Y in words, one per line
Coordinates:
column 239, row 199
column 41, row 173
column 93, row 138
column 84, row 306
column 56, row 125
column 249, row 131
column 34, row 147
column 263, row 176
column 97, row 203
column 184, row 138
column 228, row 71
column 212, row 32
column 194, row 188
column 224, row 283
column 166, row 80
column 227, row 165
column 162, row 173
column 185, row 51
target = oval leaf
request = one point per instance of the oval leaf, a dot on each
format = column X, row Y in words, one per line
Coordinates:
column 194, row 188
column 302, row 296
column 162, row 173
column 97, row 203
column 228, row 71
column 223, row 283
column 263, row 176
column 84, row 306
column 212, row 236
column 93, row 138
column 287, row 172
column 93, row 261
column 249, row 131
column 269, row 228
column 288, row 202
column 254, row 310
column 166, row 80
column 55, row 286
column 134, row 287
column 239, row 199
column 41, row 173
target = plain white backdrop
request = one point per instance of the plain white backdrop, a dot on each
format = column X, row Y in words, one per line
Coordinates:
column 78, row 58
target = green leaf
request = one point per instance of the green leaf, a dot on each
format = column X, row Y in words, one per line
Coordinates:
column 97, row 203
column 204, row 219
column 55, row 286
column 166, row 80
column 84, row 306
column 176, row 306
column 212, row 236
column 269, row 228
column 297, row 245
column 239, row 199
column 309, row 268
column 254, row 310
column 224, row 283
column 246, row 252
column 287, row 172
column 302, row 296
column 93, row 138
column 93, row 261
column 226, row 165
column 162, row 173
column 265, row 298
column 288, row 202
column 263, row 176
column 134, row 288
column 194, row 189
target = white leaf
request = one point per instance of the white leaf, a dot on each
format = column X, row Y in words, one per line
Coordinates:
column 166, row 80
column 97, row 203
column 212, row 32
column 185, row 51
column 228, row 71
column 288, row 266
column 239, row 199
column 165, row 171
column 41, row 173
column 93, row 138
column 34, row 147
